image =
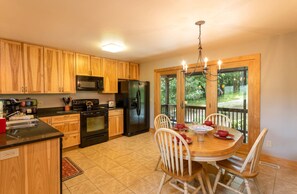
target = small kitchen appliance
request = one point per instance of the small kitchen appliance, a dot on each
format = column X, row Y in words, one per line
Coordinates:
column 111, row 104
column 89, row 83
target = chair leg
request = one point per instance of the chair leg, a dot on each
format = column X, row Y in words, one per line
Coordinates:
column 248, row 189
column 217, row 180
column 185, row 188
column 156, row 168
column 201, row 183
column 161, row 183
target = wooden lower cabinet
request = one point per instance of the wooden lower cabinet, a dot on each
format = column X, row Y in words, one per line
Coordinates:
column 115, row 122
column 67, row 124
column 31, row 169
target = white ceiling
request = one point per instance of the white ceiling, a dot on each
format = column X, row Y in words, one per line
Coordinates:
column 150, row 29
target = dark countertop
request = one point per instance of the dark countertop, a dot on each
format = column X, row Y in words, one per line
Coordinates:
column 56, row 111
column 28, row 135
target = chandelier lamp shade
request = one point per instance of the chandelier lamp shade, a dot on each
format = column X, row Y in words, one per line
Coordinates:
column 201, row 62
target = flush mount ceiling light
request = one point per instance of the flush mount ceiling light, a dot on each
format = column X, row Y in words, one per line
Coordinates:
column 202, row 63
column 112, row 47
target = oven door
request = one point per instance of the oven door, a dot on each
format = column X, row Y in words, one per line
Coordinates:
column 93, row 122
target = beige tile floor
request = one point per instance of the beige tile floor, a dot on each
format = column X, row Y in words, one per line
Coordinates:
column 126, row 165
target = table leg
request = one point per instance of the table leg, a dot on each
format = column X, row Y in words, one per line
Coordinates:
column 205, row 172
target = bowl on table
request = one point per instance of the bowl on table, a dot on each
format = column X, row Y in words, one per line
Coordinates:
column 200, row 130
column 222, row 133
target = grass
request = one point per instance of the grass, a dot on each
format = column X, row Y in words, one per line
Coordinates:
column 223, row 98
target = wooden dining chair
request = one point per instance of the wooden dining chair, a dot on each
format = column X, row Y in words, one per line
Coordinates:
column 176, row 161
column 161, row 121
column 219, row 119
column 244, row 168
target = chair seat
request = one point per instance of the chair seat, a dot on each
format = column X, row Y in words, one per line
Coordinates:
column 234, row 164
column 196, row 169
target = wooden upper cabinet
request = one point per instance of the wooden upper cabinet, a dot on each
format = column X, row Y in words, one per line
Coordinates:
column 110, row 76
column 123, row 70
column 52, row 70
column 133, row 71
column 97, row 67
column 11, row 68
column 82, row 64
column 33, row 68
column 68, row 66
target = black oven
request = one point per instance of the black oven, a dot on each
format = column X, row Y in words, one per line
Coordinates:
column 93, row 127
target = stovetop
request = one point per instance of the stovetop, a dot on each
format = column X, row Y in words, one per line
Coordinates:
column 86, row 105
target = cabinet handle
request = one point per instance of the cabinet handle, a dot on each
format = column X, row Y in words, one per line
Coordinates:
column 22, row 88
column 26, row 89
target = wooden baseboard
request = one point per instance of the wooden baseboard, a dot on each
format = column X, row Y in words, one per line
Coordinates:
column 279, row 161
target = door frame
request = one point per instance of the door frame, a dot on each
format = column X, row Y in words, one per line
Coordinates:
column 253, row 62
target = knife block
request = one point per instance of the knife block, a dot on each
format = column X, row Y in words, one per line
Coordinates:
column 67, row 108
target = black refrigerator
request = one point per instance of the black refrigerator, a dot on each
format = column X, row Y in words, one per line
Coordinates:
column 134, row 98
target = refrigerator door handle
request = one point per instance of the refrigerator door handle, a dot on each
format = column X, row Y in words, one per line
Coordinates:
column 138, row 103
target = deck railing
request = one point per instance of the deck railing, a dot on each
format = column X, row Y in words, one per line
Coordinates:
column 239, row 117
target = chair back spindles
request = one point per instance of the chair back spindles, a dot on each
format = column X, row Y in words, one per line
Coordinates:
column 254, row 155
column 219, row 119
column 173, row 151
column 162, row 121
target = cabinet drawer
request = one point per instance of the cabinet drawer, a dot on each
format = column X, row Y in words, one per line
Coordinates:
column 115, row 112
column 65, row 118
column 71, row 140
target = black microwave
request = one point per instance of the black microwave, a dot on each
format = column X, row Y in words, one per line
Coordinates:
column 89, row 83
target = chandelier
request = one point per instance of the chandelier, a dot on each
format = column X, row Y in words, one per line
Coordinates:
column 202, row 63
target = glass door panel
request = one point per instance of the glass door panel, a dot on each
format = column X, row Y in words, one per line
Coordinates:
column 233, row 97
column 195, row 98
column 168, row 96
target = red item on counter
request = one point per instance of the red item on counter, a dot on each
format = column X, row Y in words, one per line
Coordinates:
column 2, row 125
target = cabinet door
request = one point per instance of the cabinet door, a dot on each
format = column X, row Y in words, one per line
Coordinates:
column 123, row 70
column 52, row 70
column 110, row 76
column 120, row 124
column 82, row 64
column 11, row 68
column 33, row 66
column 68, row 76
column 112, row 126
column 97, row 67
column 134, row 71
column 42, row 167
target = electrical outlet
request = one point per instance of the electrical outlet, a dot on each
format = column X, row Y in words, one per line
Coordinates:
column 269, row 143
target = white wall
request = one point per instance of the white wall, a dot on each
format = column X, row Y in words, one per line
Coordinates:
column 278, row 86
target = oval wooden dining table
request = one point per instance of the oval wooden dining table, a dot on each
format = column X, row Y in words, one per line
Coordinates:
column 213, row 149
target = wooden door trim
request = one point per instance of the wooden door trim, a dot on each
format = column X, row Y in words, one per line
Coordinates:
column 253, row 62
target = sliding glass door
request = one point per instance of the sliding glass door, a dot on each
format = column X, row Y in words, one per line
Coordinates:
column 195, row 97
column 191, row 97
column 233, row 97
